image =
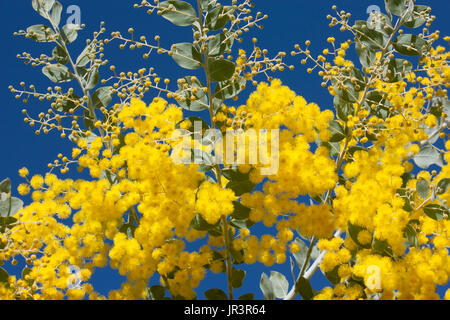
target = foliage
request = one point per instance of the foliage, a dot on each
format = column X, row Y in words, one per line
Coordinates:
column 376, row 170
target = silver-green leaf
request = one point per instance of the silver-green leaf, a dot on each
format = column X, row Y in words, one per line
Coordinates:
column 178, row 12
column 55, row 14
column 41, row 33
column 428, row 156
column 423, row 188
column 57, row 73
column 69, row 32
column 267, row 287
column 43, row 7
column 102, row 97
column 280, row 284
column 187, row 56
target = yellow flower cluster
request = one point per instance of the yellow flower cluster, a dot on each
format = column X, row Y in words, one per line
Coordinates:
column 214, row 202
column 154, row 194
column 144, row 202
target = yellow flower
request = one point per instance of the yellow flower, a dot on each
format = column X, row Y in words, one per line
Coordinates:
column 23, row 172
column 23, row 189
column 37, row 182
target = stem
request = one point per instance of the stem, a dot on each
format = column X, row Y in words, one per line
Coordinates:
column 308, row 256
column 133, row 217
column 309, row 273
column 77, row 75
column 217, row 167
column 441, row 128
column 319, row 259
column 228, row 257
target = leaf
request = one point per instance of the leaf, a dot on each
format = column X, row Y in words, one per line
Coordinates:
column 366, row 55
column 6, row 222
column 428, row 156
column 43, row 7
column 247, row 296
column 5, row 186
column 280, row 284
column 410, row 45
column 85, row 56
column 187, row 90
column 241, row 187
column 202, row 157
column 407, row 198
column 57, row 73
column 128, row 229
column 69, row 32
column 304, row 288
column 16, row 205
column 237, row 278
column 221, row 43
column 4, row 276
column 423, row 188
column 60, row 55
column 267, row 287
column 315, row 253
column 200, row 224
column 440, row 105
column 187, row 56
column 381, row 23
column 218, row 17
column 67, row 104
column 83, row 73
column 396, row 70
column 382, row 105
column 353, row 149
column 343, row 108
column 300, row 256
column 240, row 212
column 156, row 292
column 229, row 89
column 4, row 208
column 334, row 148
column 26, row 271
column 333, row 275
column 347, row 95
column 368, row 36
column 215, row 294
column 442, row 186
column 416, row 20
column 208, row 5
column 10, row 207
column 220, row 70
column 93, row 79
column 55, row 14
column 436, row 211
column 337, row 131
column 233, row 174
column 241, row 224
column 237, row 256
column 102, row 97
column 41, row 33
column 397, row 7
column 217, row 104
column 381, row 247
column 411, row 235
column 182, row 14
column 430, row 132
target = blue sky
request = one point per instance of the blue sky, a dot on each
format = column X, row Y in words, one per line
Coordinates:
column 290, row 22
